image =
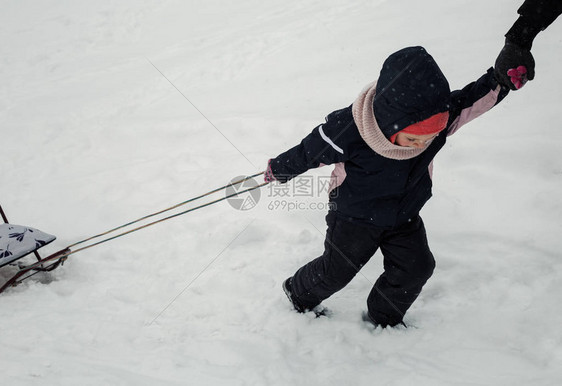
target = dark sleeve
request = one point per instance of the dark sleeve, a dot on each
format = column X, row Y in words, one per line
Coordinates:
column 535, row 16
column 474, row 99
column 327, row 144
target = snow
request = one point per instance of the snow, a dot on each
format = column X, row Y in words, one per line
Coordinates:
column 93, row 136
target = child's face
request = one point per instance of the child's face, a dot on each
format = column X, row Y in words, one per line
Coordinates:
column 412, row 140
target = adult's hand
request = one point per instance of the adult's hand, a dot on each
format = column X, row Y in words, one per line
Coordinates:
column 514, row 66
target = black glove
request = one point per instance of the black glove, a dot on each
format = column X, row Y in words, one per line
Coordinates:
column 514, row 66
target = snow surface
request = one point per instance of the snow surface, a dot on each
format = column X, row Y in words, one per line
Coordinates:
column 93, row 135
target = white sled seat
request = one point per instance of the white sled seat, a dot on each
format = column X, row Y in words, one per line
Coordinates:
column 17, row 241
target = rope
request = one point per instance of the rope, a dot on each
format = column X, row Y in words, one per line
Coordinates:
column 166, row 210
column 64, row 253
column 165, row 219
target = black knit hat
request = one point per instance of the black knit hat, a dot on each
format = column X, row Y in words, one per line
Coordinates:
column 410, row 89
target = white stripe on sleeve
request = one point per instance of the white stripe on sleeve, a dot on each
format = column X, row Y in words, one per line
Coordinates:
column 330, row 142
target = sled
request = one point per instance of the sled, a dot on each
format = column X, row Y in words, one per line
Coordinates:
column 16, row 242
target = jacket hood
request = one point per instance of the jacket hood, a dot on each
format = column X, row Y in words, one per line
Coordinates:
column 410, row 89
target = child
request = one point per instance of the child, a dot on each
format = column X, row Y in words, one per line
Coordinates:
column 382, row 147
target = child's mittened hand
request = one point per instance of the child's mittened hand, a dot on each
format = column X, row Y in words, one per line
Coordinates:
column 268, row 174
column 518, row 76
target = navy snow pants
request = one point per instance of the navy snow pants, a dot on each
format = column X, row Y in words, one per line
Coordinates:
column 408, row 264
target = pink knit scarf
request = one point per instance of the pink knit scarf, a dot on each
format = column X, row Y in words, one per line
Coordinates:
column 364, row 118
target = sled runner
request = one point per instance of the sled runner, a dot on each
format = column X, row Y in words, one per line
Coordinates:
column 16, row 242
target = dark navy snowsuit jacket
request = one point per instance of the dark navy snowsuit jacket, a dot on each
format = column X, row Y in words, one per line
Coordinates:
column 372, row 188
